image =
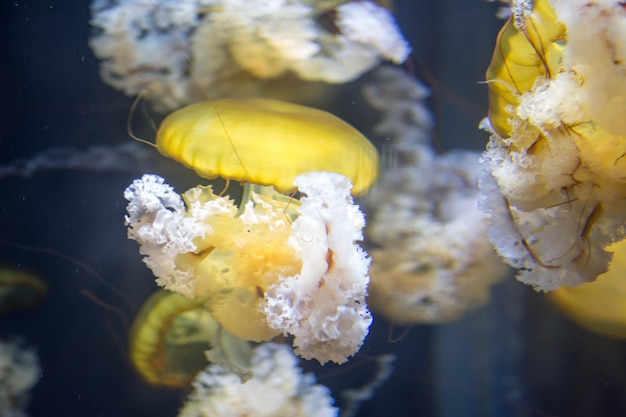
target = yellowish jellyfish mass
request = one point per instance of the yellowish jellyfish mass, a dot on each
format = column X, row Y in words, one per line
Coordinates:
column 555, row 178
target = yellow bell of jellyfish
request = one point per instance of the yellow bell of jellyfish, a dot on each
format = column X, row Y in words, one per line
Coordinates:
column 599, row 306
column 169, row 338
column 19, row 289
column 523, row 53
column 266, row 142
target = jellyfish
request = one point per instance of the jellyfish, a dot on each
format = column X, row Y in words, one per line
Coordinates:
column 274, row 264
column 19, row 289
column 169, row 338
column 554, row 182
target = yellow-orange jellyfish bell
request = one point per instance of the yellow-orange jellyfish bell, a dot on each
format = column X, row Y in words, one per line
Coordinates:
column 266, row 142
column 599, row 306
column 169, row 338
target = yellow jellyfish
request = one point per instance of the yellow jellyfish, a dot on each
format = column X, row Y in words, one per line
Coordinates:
column 236, row 254
column 266, row 142
column 556, row 87
column 19, row 289
column 599, row 306
column 169, row 338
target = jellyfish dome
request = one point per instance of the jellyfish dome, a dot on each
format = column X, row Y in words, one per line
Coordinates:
column 228, row 138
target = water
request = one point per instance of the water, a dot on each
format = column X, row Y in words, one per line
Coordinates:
column 514, row 357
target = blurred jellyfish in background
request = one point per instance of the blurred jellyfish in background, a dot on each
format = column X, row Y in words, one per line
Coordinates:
column 19, row 372
column 130, row 156
column 19, row 289
column 178, row 53
column 276, row 387
column 432, row 260
column 19, row 365
column 182, row 52
column 504, row 12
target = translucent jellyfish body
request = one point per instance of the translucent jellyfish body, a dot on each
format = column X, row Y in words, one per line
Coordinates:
column 554, row 182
